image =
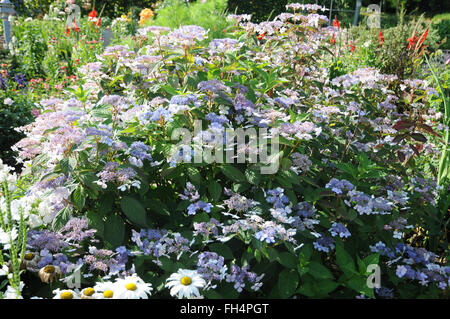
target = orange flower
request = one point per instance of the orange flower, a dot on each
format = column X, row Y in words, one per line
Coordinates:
column 333, row 40
column 145, row 15
column 261, row 36
column 67, row 32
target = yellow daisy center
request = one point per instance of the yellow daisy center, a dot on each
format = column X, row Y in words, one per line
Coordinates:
column 108, row 293
column 186, row 281
column 50, row 269
column 88, row 291
column 131, row 286
column 66, row 295
column 29, row 256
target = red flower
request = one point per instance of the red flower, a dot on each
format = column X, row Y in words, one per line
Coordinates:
column 412, row 41
column 380, row 38
column 67, row 32
column 423, row 37
column 336, row 23
column 333, row 40
column 76, row 29
column 352, row 47
column 261, row 36
column 92, row 14
column 99, row 22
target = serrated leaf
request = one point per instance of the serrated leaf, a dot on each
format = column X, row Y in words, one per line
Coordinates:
column 288, row 260
column 319, row 271
column 344, row 260
column 61, row 218
column 215, row 190
column 287, row 283
column 114, row 231
column 253, row 176
column 134, row 211
column 232, row 173
column 79, row 197
column 419, row 137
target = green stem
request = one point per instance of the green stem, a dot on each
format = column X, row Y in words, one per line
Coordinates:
column 444, row 163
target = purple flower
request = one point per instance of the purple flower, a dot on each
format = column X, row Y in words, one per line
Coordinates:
column 200, row 205
column 324, row 244
column 211, row 266
column 183, row 99
column 77, row 230
column 267, row 234
column 214, row 86
column 339, row 229
column 339, row 186
column 277, row 198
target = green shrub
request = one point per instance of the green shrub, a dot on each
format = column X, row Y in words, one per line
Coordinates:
column 209, row 15
column 441, row 23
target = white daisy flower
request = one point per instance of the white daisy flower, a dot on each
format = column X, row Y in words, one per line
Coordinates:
column 105, row 290
column 87, row 293
column 66, row 294
column 30, row 260
column 132, row 287
column 185, row 283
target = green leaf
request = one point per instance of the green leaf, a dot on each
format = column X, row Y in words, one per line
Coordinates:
column 319, row 271
column 370, row 260
column 344, row 260
column 359, row 284
column 240, row 187
column 222, row 250
column 287, row 283
column 67, row 165
column 105, row 203
column 324, row 287
column 194, row 174
column 95, row 221
column 61, row 218
column 232, row 173
column 347, row 168
column 79, row 197
column 169, row 89
column 253, row 176
column 288, row 260
column 159, row 207
column 305, row 253
column 307, row 289
column 215, row 190
column 133, row 209
column 114, row 231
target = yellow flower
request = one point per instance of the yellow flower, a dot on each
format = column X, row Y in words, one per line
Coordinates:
column 125, row 17
column 145, row 15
